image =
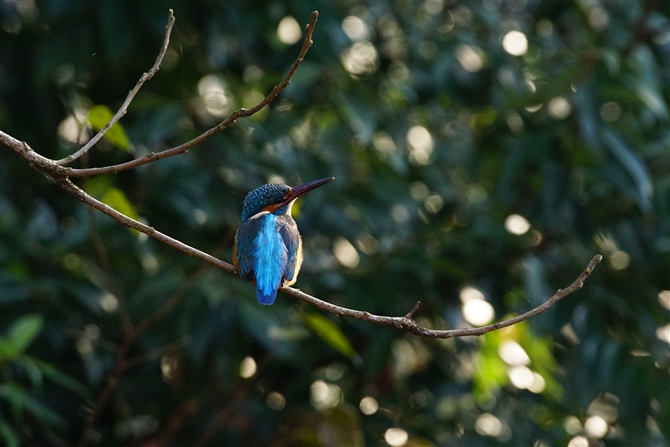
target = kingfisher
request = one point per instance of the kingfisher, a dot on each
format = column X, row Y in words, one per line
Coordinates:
column 268, row 246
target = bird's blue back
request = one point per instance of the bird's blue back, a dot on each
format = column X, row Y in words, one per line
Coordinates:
column 268, row 249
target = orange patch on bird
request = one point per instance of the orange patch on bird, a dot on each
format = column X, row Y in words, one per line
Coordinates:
column 272, row 208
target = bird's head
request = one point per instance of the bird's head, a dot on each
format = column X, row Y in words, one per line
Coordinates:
column 276, row 198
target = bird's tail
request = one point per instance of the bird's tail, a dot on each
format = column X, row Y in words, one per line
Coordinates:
column 266, row 298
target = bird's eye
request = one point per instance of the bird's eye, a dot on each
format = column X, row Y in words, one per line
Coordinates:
column 279, row 199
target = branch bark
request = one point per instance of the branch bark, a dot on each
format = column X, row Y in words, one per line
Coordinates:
column 62, row 176
column 240, row 113
column 131, row 95
column 407, row 323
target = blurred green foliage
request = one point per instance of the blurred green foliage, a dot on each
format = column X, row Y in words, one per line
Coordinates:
column 467, row 157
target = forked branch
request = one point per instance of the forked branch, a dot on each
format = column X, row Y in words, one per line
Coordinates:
column 62, row 175
column 131, row 95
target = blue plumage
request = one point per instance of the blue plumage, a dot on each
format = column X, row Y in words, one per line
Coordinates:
column 268, row 248
column 270, row 261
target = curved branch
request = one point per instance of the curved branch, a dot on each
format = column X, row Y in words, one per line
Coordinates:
column 131, row 95
column 405, row 322
column 240, row 113
column 78, row 193
column 61, row 176
column 412, row 326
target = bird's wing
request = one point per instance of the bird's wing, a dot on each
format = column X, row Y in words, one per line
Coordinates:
column 291, row 237
column 245, row 242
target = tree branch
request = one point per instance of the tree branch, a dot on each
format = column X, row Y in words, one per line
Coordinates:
column 407, row 323
column 131, row 95
column 61, row 174
column 240, row 113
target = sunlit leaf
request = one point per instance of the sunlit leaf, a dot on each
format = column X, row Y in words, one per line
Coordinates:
column 99, row 116
column 98, row 185
column 8, row 351
column 22, row 333
column 490, row 372
column 118, row 200
column 330, row 332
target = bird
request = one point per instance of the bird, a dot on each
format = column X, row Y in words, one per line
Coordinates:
column 268, row 246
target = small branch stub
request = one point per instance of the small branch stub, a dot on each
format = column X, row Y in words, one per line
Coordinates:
column 63, row 174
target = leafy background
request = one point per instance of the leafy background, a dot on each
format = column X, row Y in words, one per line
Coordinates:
column 436, row 134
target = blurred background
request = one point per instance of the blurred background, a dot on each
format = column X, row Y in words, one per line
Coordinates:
column 484, row 152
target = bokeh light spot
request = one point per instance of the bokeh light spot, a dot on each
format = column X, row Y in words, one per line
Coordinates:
column 520, row 376
column 360, row 58
column 596, row 426
column 478, row 312
column 345, row 253
column 517, row 224
column 470, row 293
column 421, row 145
column 538, row 384
column 212, row 90
column 578, row 441
column 324, row 395
column 399, row 213
column 289, row 31
column 109, row 303
column 488, row 425
column 355, row 28
column 469, row 58
column 368, row 244
column 559, row 108
column 368, row 405
column 572, row 425
column 70, row 130
column 247, row 367
column 663, row 333
column 433, row 203
column 515, row 43
column 383, row 143
column 275, row 401
column 396, row 437
column 534, row 108
column 513, row 354
column 619, row 260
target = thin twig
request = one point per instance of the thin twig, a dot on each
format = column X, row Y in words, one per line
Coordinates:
column 123, row 362
column 55, row 169
column 108, row 275
column 158, row 352
column 131, row 95
column 407, row 323
column 82, row 196
column 106, row 392
column 240, row 113
column 61, row 175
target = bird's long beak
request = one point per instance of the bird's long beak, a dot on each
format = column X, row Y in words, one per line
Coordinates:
column 299, row 190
